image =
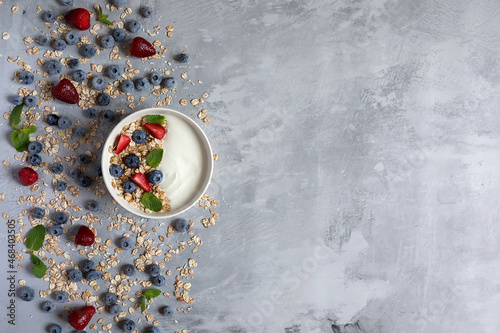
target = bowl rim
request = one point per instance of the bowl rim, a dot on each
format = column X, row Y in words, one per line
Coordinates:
column 207, row 148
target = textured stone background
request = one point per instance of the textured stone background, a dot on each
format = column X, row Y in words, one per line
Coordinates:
column 358, row 143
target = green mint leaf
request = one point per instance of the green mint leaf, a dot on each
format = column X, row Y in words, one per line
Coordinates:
column 151, row 293
column 154, row 158
column 34, row 240
column 20, row 137
column 15, row 115
column 151, row 202
column 155, row 119
column 143, row 304
column 39, row 268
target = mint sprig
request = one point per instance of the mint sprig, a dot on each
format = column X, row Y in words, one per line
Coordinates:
column 35, row 237
column 155, row 119
column 103, row 18
column 15, row 115
column 154, row 158
column 147, row 295
column 21, row 137
column 39, row 268
column 151, row 202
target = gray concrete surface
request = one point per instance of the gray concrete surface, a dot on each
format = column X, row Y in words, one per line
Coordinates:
column 358, row 145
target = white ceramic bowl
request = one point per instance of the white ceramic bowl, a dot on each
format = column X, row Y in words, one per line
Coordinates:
column 207, row 160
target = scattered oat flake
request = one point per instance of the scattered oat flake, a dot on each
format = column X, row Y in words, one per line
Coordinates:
column 15, row 9
column 5, row 35
column 183, row 102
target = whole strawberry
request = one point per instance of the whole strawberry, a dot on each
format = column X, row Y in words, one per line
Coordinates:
column 27, row 176
column 78, row 18
column 65, row 91
column 79, row 318
column 84, row 236
column 142, row 48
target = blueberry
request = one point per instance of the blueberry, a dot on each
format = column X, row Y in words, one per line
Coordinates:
column 114, row 72
column 91, row 113
column 74, row 63
column 181, row 225
column 61, row 186
column 54, row 328
column 43, row 40
column 119, row 34
column 75, row 275
column 109, row 115
column 56, row 168
column 115, row 309
column 159, row 280
column 126, row 243
column 155, row 177
column 79, row 75
column 99, row 83
column 88, row 265
column 128, row 326
column 93, row 205
column 88, row 51
column 103, row 99
column 80, row 131
column 107, row 41
column 115, row 170
column 71, row 38
column 31, row 101
column 84, row 181
column 141, row 84
column 16, row 100
column 83, row 159
column 67, row 2
column 49, row 16
column 110, row 298
column 56, row 230
column 53, row 67
column 139, row 136
column 129, row 186
column 35, row 160
column 119, row 3
column 155, row 78
column 35, row 147
column 26, row 77
column 127, row 86
column 38, row 213
column 93, row 275
column 182, row 57
column 132, row 161
column 153, row 270
column 153, row 329
column 48, row 306
column 61, row 296
column 98, row 171
column 64, row 122
column 59, row 45
column 170, row 82
column 52, row 119
column 134, row 26
column 147, row 11
column 74, row 173
column 167, row 311
column 61, row 217
column 128, row 269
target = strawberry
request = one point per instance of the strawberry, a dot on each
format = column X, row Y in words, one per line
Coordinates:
column 123, row 142
column 142, row 48
column 85, row 236
column 141, row 180
column 80, row 318
column 78, row 18
column 27, row 176
column 65, row 91
column 156, row 130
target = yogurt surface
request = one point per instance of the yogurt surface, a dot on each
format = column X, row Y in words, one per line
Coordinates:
column 182, row 164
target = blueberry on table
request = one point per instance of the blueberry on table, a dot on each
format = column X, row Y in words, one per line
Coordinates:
column 99, row 82
column 54, row 328
column 115, row 309
column 52, row 119
column 93, row 275
column 53, row 67
column 182, row 57
column 49, row 17
column 75, row 275
column 159, row 280
column 128, row 326
column 91, row 113
column 129, row 186
column 74, row 63
column 155, row 78
column 147, row 11
column 109, row 115
column 134, row 26
column 88, row 51
column 88, row 265
column 139, row 136
column 64, row 122
column 114, row 72
column 110, row 298
column 48, row 306
column 56, row 230
column 181, row 225
column 26, row 77
column 26, row 293
column 98, row 171
column 35, row 159
column 115, row 170
column 61, row 296
column 43, row 40
column 127, row 86
column 155, row 177
column 71, row 38
column 79, row 76
column 56, row 168
column 128, row 269
column 153, row 329
column 170, row 82
column 119, row 34
column 107, row 41
column 16, row 100
column 141, row 84
column 61, row 217
column 80, row 132
column 84, row 181
column 167, row 311
column 31, row 101
column 74, row 173
column 67, row 2
column 83, row 159
column 132, row 161
column 126, row 243
column 35, row 147
column 93, row 205
column 153, row 270
column 59, row 45
column 38, row 213
column 103, row 99
column 61, row 185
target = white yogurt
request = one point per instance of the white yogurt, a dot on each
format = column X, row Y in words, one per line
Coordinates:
column 182, row 164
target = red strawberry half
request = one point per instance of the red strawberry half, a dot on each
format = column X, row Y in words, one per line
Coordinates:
column 142, row 181
column 78, row 18
column 85, row 236
column 123, row 142
column 142, row 48
column 156, row 130
column 80, row 318
column 27, row 176
column 65, row 91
